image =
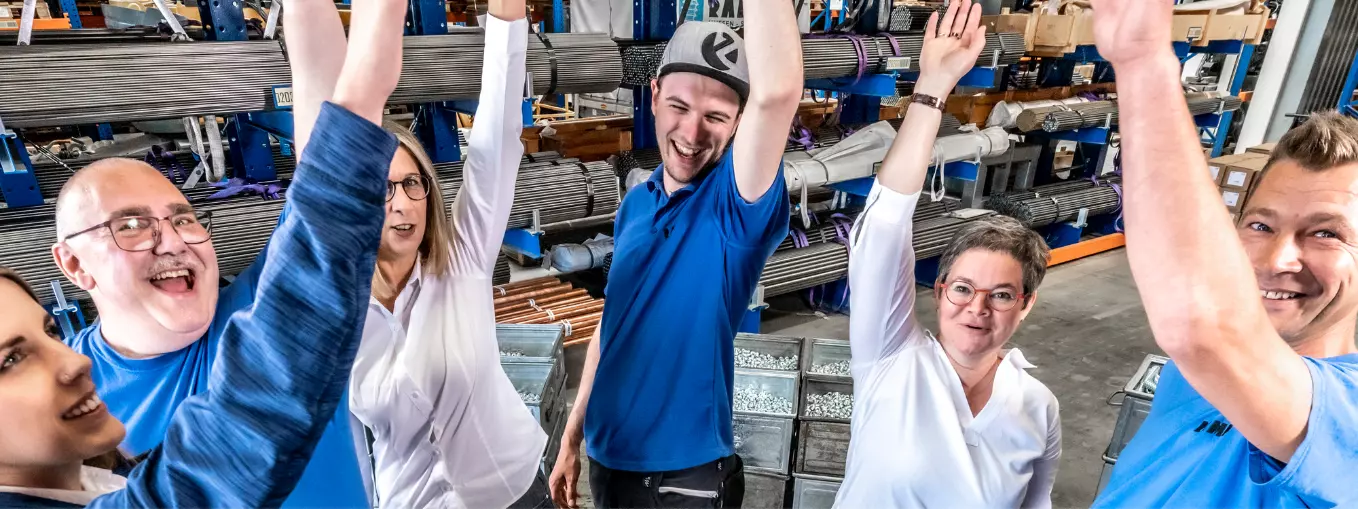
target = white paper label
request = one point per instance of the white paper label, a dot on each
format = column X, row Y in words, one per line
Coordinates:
column 1195, row 33
column 1236, row 178
column 282, row 97
column 1216, row 173
column 6, row 13
column 1230, row 197
column 836, row 5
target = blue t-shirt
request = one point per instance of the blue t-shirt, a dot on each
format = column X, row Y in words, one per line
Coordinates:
column 684, row 268
column 1187, row 455
column 144, row 394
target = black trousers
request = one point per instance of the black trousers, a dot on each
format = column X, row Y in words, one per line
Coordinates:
column 538, row 496
column 720, row 483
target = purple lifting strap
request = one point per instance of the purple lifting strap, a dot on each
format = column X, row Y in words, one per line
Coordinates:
column 166, row 164
column 801, row 135
column 239, row 186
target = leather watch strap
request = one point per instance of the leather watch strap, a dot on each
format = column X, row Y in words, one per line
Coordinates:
column 928, row 100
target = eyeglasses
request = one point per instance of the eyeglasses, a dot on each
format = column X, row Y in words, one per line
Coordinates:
column 142, row 233
column 416, row 187
column 961, row 293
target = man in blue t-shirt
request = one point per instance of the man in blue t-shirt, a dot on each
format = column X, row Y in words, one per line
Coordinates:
column 655, row 400
column 161, row 313
column 1260, row 404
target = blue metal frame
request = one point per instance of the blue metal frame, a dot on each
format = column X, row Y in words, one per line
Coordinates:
column 18, row 183
column 524, row 241
column 72, row 12
column 1347, row 103
column 1246, row 52
column 224, row 20
column 979, row 77
column 436, row 127
column 558, row 16
column 879, row 85
column 652, row 20
column 1094, row 135
column 250, row 156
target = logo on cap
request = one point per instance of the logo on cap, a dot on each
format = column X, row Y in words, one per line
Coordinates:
column 711, row 47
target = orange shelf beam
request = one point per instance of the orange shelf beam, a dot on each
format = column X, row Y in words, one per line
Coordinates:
column 46, row 24
column 1087, row 248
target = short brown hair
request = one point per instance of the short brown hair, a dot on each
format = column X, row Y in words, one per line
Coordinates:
column 14, row 277
column 1328, row 139
column 435, row 247
column 1001, row 234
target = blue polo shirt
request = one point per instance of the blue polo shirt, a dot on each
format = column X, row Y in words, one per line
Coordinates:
column 684, row 268
column 1187, row 454
column 144, row 394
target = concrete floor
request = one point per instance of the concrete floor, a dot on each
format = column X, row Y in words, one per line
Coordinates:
column 1087, row 336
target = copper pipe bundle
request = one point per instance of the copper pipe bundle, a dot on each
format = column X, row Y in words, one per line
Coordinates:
column 549, row 300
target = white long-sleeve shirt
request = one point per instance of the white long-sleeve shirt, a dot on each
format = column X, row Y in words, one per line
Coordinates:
column 449, row 428
column 915, row 441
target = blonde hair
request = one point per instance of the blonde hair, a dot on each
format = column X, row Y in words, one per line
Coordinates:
column 435, row 247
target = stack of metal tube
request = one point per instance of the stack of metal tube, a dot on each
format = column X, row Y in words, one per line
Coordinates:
column 548, row 300
column 501, row 274
column 67, row 84
column 1045, row 205
column 910, row 18
column 1105, row 113
column 837, row 57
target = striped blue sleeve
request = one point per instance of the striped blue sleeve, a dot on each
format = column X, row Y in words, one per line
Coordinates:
column 284, row 361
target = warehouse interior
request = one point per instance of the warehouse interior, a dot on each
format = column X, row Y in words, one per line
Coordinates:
column 201, row 91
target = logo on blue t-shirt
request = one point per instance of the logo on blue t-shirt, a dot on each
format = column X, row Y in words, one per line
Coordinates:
column 1217, row 428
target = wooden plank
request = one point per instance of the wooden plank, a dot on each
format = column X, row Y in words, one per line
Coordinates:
column 1087, row 248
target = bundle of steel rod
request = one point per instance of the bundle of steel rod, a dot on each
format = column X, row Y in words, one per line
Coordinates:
column 910, row 18
column 558, row 190
column 931, row 236
column 52, row 175
column 798, row 269
column 66, row 84
column 501, row 274
column 1041, row 207
column 1000, row 200
column 1102, row 113
column 98, row 35
column 837, row 57
column 548, row 300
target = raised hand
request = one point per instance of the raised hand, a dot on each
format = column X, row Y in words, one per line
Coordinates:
column 1130, row 31
column 951, row 48
column 316, row 45
column 372, row 66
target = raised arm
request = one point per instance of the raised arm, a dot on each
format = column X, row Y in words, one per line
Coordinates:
column 312, row 31
column 775, row 59
column 481, row 208
column 1194, row 277
column 283, row 364
column 882, row 256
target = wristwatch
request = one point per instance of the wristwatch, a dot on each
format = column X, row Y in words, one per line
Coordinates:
column 927, row 100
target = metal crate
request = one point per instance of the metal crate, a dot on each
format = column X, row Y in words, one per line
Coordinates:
column 764, row 489
column 779, row 384
column 1107, row 474
column 822, row 447
column 775, row 346
column 763, row 442
column 533, row 378
column 814, row 491
column 537, row 343
column 817, row 385
column 1136, row 403
column 819, row 352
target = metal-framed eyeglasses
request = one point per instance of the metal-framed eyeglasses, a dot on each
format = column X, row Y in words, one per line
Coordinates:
column 416, row 187
column 142, row 233
column 962, row 293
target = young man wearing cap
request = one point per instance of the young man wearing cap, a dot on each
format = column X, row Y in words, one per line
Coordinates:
column 654, row 407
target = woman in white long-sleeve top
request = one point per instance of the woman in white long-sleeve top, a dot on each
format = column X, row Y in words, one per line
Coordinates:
column 444, row 425
column 952, row 420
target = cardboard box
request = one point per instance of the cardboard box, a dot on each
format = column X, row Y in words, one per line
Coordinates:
column 1218, row 166
column 1019, row 23
column 1231, row 27
column 1242, row 172
column 1266, row 148
column 1058, row 34
column 1189, row 27
column 1235, row 200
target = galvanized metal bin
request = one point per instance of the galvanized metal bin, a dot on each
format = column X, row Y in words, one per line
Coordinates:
column 532, row 378
column 1136, row 403
column 764, row 490
column 817, row 385
column 820, row 354
column 822, row 448
column 764, row 442
column 788, row 349
column 1107, row 474
column 814, row 491
column 534, row 343
column 780, row 386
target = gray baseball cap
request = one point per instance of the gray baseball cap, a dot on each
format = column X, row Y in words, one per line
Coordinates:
column 710, row 49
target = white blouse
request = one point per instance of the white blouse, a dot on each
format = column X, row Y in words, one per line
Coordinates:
column 915, row 442
column 95, row 482
column 449, row 428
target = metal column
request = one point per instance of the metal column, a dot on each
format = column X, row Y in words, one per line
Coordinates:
column 435, row 123
column 652, row 20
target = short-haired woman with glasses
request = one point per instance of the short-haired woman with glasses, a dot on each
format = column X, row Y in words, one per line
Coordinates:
column 951, row 420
